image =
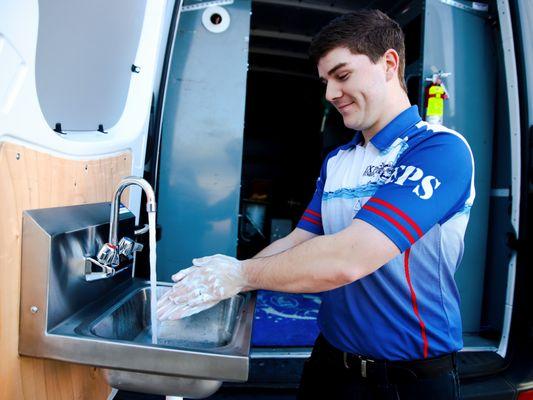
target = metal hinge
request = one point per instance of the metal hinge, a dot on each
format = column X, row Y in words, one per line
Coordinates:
column 515, row 243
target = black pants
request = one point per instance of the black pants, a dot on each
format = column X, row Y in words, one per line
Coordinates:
column 326, row 376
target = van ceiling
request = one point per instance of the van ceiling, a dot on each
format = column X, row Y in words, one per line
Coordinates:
column 281, row 30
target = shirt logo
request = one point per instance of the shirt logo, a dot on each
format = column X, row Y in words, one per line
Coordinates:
column 384, row 171
column 387, row 173
column 426, row 186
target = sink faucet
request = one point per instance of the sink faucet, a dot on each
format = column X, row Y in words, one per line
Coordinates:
column 108, row 258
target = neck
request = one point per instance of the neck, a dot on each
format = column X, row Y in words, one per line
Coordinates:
column 394, row 106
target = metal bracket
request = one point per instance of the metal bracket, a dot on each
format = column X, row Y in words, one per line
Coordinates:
column 470, row 6
column 206, row 4
column 59, row 129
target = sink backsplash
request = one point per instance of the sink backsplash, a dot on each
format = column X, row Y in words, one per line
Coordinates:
column 64, row 236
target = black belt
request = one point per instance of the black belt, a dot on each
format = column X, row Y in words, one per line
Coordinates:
column 384, row 370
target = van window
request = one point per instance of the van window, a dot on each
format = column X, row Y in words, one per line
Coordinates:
column 85, row 52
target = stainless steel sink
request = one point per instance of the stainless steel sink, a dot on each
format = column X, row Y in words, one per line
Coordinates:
column 106, row 323
column 190, row 351
column 130, row 320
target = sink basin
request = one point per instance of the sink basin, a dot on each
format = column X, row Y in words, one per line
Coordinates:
column 106, row 323
column 130, row 320
column 199, row 347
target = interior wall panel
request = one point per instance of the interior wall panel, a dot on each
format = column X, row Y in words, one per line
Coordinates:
column 31, row 179
column 202, row 138
column 460, row 41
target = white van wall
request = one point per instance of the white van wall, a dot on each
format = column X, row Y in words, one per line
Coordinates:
column 40, row 168
column 32, row 93
column 81, row 77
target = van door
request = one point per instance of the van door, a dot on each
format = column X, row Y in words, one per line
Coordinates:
column 473, row 43
column 202, row 121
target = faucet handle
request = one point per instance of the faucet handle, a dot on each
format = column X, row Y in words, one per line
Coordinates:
column 141, row 230
column 108, row 255
column 127, row 247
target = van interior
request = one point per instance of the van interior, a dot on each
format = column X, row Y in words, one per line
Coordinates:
column 288, row 128
column 239, row 127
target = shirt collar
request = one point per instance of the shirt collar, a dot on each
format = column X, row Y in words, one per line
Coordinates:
column 392, row 130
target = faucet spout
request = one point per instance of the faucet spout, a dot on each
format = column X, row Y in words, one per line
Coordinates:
column 109, row 256
column 115, row 203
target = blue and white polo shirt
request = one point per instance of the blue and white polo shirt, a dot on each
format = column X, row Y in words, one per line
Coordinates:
column 415, row 183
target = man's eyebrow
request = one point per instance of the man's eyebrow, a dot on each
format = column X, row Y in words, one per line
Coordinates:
column 336, row 67
column 332, row 70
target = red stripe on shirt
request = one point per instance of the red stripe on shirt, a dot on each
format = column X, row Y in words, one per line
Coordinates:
column 415, row 304
column 392, row 221
column 400, row 213
column 306, row 218
column 309, row 211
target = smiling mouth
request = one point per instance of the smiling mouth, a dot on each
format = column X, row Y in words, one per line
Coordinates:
column 345, row 105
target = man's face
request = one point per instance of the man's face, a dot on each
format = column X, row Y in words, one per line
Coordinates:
column 355, row 86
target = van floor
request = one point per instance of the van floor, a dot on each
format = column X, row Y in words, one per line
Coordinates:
column 493, row 388
column 285, row 319
column 223, row 394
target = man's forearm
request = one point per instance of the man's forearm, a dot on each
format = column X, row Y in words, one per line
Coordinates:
column 276, row 247
column 308, row 267
column 294, row 238
column 319, row 264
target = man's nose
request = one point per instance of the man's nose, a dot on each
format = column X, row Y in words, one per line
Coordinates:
column 332, row 91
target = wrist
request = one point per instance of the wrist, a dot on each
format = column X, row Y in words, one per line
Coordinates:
column 248, row 275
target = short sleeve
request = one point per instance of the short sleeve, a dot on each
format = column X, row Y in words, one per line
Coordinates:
column 431, row 183
column 311, row 219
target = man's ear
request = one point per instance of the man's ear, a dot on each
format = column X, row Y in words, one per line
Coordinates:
column 392, row 63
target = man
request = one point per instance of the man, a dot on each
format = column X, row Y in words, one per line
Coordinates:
column 381, row 238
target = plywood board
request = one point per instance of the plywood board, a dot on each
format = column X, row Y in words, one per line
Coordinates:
column 30, row 179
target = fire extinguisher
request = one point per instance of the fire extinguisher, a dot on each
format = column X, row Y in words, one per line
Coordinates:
column 436, row 93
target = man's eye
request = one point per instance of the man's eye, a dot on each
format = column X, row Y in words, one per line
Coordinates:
column 343, row 77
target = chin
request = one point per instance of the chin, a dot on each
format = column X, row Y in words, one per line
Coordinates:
column 353, row 121
column 351, row 124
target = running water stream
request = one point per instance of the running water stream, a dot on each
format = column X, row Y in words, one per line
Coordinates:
column 153, row 277
column 153, row 286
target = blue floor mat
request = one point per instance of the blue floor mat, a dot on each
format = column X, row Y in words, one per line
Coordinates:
column 285, row 320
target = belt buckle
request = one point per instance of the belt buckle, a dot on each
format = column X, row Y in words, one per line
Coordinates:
column 364, row 363
column 345, row 360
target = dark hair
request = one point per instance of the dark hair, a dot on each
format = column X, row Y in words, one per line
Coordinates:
column 368, row 32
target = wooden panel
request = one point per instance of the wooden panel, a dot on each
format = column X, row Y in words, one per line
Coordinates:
column 30, row 179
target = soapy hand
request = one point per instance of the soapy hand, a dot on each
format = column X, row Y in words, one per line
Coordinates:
column 210, row 280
